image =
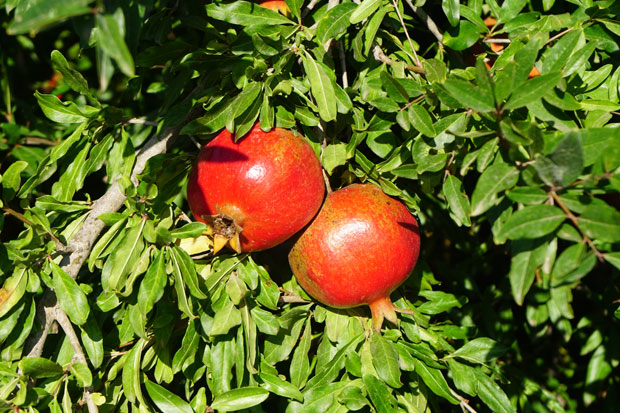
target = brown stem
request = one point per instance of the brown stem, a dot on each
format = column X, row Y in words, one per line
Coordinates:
column 28, row 222
column 291, row 297
column 463, row 402
column 573, row 219
column 557, row 36
column 402, row 22
column 67, row 327
column 381, row 57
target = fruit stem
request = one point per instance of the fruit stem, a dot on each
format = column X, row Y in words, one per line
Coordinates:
column 381, row 309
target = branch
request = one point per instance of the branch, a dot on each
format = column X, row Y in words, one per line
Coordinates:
column 82, row 243
column 463, row 402
column 381, row 57
column 402, row 22
column 430, row 24
column 573, row 219
column 67, row 327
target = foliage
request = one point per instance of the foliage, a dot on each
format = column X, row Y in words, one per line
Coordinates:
column 514, row 181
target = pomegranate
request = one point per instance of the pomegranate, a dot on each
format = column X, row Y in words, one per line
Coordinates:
column 360, row 247
column 257, row 192
column 277, row 6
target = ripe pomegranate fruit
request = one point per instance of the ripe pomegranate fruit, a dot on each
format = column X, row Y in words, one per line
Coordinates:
column 257, row 192
column 277, row 6
column 360, row 247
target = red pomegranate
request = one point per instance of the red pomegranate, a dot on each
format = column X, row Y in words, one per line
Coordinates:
column 361, row 246
column 257, row 192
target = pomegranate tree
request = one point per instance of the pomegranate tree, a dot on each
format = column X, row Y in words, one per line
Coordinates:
column 361, row 246
column 258, row 191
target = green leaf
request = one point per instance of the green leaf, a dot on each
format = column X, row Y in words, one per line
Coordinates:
column 364, row 10
column 335, row 22
column 186, row 353
column 123, row 259
column 435, row 381
column 225, row 319
column 39, row 367
column 13, row 290
column 452, row 9
column 613, row 258
column 461, row 37
column 600, row 222
column 564, row 164
column 283, row 388
column 153, row 285
column 241, row 398
column 43, row 13
column 421, row 120
column 11, row 179
column 92, row 339
column 558, row 55
column 380, row 394
column 480, row 350
column 385, row 360
column 496, row 178
column 300, row 363
column 532, row 222
column 469, row 95
column 246, row 14
column 70, row 296
column 185, row 271
column 70, row 76
column 165, row 400
column 82, row 374
column 58, row 111
column 334, row 155
column 533, row 90
column 457, row 199
column 527, row 256
column 110, row 37
column 191, row 230
column 492, row 395
column 321, row 87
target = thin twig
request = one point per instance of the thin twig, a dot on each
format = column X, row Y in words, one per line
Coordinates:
column 557, row 36
column 381, row 57
column 323, row 138
column 497, row 41
column 67, row 327
column 463, row 402
column 573, row 219
column 291, row 297
column 343, row 65
column 22, row 218
column 430, row 24
column 137, row 121
column 402, row 22
column 35, row 140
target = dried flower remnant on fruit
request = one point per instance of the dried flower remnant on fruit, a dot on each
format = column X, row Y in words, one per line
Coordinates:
column 257, row 191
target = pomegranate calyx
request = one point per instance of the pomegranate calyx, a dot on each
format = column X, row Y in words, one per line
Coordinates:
column 382, row 308
column 225, row 232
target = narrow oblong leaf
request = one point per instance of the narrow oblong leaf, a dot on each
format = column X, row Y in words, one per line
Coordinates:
column 40, row 367
column 380, row 394
column 111, row 39
column 480, row 350
column 532, row 222
column 533, row 90
column 191, row 230
column 421, row 120
column 165, row 400
column 363, row 10
column 385, row 360
column 246, row 14
column 43, row 13
column 241, row 398
column 335, row 22
column 457, row 199
column 321, row 87
column 152, row 286
column 601, row 222
column 496, row 178
column 13, row 290
column 469, row 95
column 435, row 381
column 70, row 296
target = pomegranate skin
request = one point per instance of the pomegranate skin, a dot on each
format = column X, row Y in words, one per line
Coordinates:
column 269, row 183
column 361, row 246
